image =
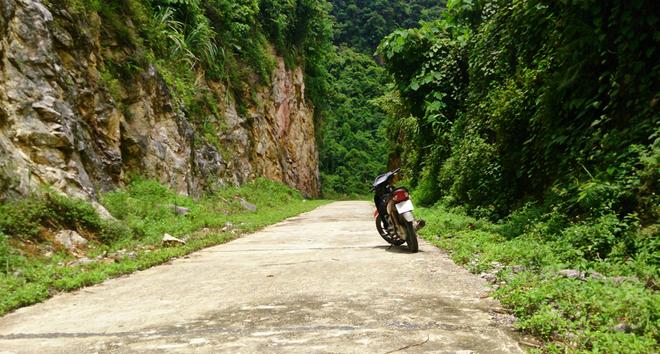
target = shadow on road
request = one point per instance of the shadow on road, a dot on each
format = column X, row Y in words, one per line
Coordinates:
column 396, row 249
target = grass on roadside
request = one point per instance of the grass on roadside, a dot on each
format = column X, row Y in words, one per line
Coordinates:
column 33, row 266
column 616, row 310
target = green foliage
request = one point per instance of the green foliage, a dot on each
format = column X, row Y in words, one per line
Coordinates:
column 146, row 207
column 532, row 100
column 524, row 121
column 200, row 44
column 600, row 314
column 582, row 315
column 472, row 174
column 26, row 219
column 112, row 84
column 431, row 92
column 4, row 254
column 362, row 24
column 22, row 218
column 352, row 150
column 145, row 211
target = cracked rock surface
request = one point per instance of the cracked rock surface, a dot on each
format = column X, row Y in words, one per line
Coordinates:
column 322, row 282
column 61, row 125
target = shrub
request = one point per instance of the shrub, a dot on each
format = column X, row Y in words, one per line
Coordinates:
column 22, row 218
column 25, row 219
column 114, row 231
column 74, row 213
column 4, row 254
column 520, row 220
column 472, row 174
column 594, row 239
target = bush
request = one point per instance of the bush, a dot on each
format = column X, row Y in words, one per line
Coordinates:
column 114, row 231
column 472, row 174
column 26, row 219
column 22, row 218
column 4, row 253
column 72, row 213
column 530, row 97
column 594, row 240
column 520, row 221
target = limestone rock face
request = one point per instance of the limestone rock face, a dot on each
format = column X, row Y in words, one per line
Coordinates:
column 60, row 125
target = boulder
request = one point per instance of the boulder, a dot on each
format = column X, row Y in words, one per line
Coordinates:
column 576, row 274
column 622, row 327
column 247, row 205
column 227, row 227
column 81, row 261
column 70, row 240
column 181, row 210
column 572, row 274
column 621, row 279
column 169, row 240
column 489, row 277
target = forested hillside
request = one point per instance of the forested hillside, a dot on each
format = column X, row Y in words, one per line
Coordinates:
column 543, row 117
column 353, row 147
column 362, row 24
column 533, row 101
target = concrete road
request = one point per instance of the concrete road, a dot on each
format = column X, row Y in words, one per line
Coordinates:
column 322, row 282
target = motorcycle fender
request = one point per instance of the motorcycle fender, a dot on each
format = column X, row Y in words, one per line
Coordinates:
column 408, row 215
column 400, row 230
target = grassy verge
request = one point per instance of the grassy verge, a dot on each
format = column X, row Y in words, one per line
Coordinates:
column 543, row 274
column 33, row 266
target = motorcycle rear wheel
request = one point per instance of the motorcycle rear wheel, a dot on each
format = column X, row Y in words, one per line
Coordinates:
column 411, row 238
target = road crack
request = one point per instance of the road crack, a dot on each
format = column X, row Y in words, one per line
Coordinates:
column 410, row 346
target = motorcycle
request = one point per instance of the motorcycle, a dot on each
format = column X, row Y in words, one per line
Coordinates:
column 394, row 218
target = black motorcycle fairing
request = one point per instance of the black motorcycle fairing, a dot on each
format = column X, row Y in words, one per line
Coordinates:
column 384, row 179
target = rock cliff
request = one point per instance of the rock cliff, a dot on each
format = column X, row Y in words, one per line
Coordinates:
column 61, row 125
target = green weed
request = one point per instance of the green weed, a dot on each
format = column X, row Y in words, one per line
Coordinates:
column 615, row 313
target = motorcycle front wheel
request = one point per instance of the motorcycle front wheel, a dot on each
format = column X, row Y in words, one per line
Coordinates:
column 411, row 238
column 393, row 240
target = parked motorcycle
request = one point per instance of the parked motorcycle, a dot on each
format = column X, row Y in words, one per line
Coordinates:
column 394, row 218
